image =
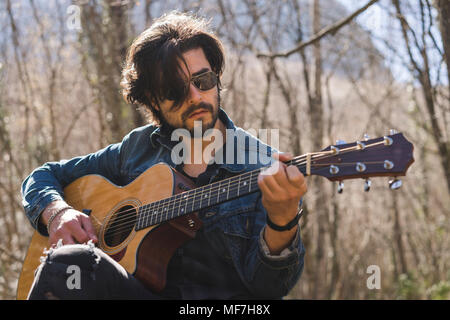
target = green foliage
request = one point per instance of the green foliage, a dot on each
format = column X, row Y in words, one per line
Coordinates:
column 408, row 287
column 439, row 291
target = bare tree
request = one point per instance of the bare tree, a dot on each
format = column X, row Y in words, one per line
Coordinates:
column 420, row 64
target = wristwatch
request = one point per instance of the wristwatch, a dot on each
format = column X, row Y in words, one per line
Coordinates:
column 288, row 226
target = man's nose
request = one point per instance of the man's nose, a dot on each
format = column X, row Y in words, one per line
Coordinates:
column 194, row 93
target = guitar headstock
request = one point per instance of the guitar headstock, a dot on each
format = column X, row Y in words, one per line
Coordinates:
column 388, row 156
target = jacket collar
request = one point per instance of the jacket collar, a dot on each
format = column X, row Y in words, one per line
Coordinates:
column 162, row 138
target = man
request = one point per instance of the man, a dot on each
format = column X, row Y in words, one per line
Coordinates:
column 173, row 69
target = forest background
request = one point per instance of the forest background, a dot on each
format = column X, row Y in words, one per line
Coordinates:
column 319, row 71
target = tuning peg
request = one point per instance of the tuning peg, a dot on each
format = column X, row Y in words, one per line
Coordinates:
column 392, row 131
column 338, row 142
column 367, row 185
column 340, row 188
column 395, row 184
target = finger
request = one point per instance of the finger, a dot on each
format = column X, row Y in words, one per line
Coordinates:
column 78, row 232
column 271, row 185
column 282, row 156
column 297, row 181
column 67, row 239
column 89, row 228
column 294, row 176
column 279, row 174
column 264, row 187
column 273, row 168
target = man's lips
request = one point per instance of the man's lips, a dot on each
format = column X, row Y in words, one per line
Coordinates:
column 198, row 113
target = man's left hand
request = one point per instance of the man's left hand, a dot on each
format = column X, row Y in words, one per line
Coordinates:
column 282, row 187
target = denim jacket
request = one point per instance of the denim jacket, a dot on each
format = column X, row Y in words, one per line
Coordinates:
column 240, row 221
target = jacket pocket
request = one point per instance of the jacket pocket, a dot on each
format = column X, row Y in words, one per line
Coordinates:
column 239, row 217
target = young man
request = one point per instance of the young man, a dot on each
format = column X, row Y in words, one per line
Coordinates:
column 173, row 69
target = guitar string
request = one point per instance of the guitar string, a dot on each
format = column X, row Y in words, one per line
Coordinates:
column 125, row 225
column 121, row 226
column 214, row 187
column 295, row 160
column 219, row 183
column 145, row 209
column 115, row 225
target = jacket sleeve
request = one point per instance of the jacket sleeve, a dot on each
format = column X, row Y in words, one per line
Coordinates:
column 273, row 276
column 46, row 183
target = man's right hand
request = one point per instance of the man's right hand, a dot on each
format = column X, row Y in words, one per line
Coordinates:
column 72, row 226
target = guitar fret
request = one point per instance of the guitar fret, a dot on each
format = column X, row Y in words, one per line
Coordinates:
column 239, row 185
column 158, row 217
column 209, row 195
column 193, row 202
column 209, row 198
column 201, row 197
column 152, row 216
column 145, row 216
column 165, row 210
column 218, row 192
column 179, row 205
column 186, row 200
column 170, row 209
column 138, row 222
column 160, row 210
column 148, row 215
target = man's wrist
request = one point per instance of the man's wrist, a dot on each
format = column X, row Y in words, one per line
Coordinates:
column 287, row 226
column 50, row 209
column 56, row 214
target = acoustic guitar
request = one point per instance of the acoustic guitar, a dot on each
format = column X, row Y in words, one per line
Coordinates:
column 140, row 225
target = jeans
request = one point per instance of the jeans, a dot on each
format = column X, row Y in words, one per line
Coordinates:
column 84, row 272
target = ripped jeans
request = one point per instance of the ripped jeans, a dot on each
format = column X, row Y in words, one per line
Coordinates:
column 83, row 272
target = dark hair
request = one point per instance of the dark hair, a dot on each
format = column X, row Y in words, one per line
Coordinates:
column 153, row 65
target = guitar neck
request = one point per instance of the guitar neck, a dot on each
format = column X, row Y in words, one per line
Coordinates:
column 388, row 156
column 197, row 199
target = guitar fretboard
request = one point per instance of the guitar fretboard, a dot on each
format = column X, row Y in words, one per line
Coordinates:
column 197, row 199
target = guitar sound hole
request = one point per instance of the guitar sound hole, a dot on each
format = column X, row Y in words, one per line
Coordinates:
column 120, row 226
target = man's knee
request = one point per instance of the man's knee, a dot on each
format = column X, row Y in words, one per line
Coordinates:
column 83, row 256
column 65, row 270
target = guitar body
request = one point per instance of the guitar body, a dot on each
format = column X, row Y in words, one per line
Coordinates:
column 144, row 253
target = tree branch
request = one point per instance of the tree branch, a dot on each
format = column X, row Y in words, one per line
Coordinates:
column 332, row 29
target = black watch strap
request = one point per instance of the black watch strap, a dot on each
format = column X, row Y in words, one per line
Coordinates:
column 287, row 227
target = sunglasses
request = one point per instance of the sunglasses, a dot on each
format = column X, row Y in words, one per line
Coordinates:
column 203, row 82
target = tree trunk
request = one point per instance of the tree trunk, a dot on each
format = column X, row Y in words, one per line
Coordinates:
column 443, row 7
column 316, row 124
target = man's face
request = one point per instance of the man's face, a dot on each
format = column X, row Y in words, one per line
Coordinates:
column 199, row 105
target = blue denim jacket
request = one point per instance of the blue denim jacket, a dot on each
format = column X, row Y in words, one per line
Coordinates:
column 241, row 221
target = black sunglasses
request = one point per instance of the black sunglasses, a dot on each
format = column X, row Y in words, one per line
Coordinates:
column 204, row 82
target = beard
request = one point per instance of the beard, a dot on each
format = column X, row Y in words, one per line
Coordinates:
column 168, row 128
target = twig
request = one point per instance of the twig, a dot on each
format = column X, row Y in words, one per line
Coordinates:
column 332, row 29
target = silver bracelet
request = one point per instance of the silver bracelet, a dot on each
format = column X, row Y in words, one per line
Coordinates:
column 53, row 216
